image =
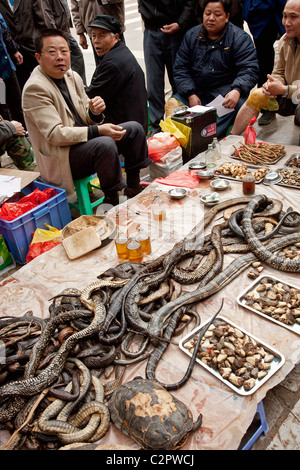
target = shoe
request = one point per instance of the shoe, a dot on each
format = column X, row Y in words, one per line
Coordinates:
column 266, row 118
column 111, row 199
column 132, row 192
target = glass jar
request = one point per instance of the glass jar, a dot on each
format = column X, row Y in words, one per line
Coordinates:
column 134, row 251
column 144, row 240
column 159, row 208
column 121, row 245
column 217, row 148
column 248, row 183
column 210, row 157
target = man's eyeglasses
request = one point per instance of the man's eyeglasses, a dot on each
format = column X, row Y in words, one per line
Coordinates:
column 56, row 52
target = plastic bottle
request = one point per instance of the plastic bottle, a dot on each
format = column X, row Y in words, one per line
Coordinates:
column 217, row 148
column 158, row 208
column 144, row 240
column 210, row 156
column 121, row 245
column 134, row 251
column 248, row 183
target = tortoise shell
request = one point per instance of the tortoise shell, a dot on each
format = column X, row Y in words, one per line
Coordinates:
column 149, row 414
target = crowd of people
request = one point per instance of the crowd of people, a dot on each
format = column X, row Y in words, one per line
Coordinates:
column 73, row 129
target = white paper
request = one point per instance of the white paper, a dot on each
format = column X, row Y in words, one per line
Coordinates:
column 199, row 108
column 9, row 185
column 217, row 103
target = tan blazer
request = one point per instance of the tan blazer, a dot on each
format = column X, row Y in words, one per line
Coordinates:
column 50, row 124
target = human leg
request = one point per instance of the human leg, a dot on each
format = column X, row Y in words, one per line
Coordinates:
column 77, row 60
column 155, row 74
column 13, row 99
column 171, row 45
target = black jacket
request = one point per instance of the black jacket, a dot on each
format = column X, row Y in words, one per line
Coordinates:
column 120, row 81
column 157, row 13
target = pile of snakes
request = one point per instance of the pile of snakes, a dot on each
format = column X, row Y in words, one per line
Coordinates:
column 56, row 379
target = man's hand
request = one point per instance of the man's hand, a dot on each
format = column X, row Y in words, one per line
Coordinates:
column 112, row 130
column 19, row 128
column 97, row 105
column 273, row 87
column 18, row 58
column 82, row 41
column 231, row 99
column 170, row 28
column 194, row 100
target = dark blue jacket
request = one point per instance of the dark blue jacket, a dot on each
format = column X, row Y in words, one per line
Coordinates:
column 8, row 48
column 258, row 13
column 208, row 68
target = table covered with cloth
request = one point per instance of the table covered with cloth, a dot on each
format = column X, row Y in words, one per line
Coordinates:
column 226, row 414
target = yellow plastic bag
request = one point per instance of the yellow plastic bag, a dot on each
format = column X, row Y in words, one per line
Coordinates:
column 42, row 235
column 180, row 131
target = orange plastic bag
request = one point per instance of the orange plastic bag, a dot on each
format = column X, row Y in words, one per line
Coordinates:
column 161, row 144
column 13, row 210
column 181, row 179
column 250, row 134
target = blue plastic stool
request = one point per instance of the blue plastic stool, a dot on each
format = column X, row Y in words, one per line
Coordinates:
column 83, row 188
column 262, row 428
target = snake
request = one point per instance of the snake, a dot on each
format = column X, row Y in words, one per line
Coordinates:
column 155, row 325
column 261, row 251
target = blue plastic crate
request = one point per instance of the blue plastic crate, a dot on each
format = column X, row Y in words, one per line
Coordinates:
column 17, row 233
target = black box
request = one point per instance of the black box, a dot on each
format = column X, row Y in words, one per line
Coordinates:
column 203, row 130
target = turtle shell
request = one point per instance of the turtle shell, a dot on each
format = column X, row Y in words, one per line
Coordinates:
column 149, row 414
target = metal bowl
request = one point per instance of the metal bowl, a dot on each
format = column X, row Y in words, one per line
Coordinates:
column 272, row 177
column 206, row 199
column 180, row 111
column 205, row 174
column 177, row 193
column 220, row 184
column 197, row 165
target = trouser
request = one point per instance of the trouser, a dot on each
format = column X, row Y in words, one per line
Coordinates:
column 24, row 70
column 160, row 51
column 101, row 155
column 77, row 60
column 288, row 108
column 264, row 45
column 13, row 99
column 19, row 150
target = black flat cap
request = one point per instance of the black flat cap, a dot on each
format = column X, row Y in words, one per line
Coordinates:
column 106, row 22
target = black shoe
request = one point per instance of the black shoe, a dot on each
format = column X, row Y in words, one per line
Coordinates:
column 132, row 192
column 266, row 118
column 111, row 199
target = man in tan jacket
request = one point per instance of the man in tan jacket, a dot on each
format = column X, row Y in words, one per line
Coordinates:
column 66, row 130
column 284, row 83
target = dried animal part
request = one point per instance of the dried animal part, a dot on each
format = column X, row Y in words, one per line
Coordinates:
column 238, row 171
column 290, row 176
column 275, row 299
column 238, row 357
column 260, row 153
column 149, row 414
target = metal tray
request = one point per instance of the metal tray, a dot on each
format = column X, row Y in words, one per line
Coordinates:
column 258, row 164
column 295, row 328
column 281, row 183
column 248, row 165
column 287, row 163
column 276, row 364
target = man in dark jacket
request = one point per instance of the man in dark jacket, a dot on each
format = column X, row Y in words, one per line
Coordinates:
column 165, row 23
column 23, row 19
column 216, row 58
column 118, row 78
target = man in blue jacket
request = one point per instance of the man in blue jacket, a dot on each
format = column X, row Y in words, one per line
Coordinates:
column 165, row 23
column 216, row 58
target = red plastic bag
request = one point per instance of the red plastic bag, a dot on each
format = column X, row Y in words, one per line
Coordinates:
column 250, row 134
column 36, row 249
column 181, row 179
column 13, row 210
column 161, row 144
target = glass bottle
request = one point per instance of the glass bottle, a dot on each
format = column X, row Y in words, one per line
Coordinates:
column 144, row 240
column 121, row 245
column 134, row 251
column 158, row 208
column 248, row 183
column 217, row 148
column 210, row 156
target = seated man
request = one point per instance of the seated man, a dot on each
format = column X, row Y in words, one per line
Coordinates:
column 118, row 78
column 284, row 83
column 61, row 121
column 13, row 141
column 215, row 58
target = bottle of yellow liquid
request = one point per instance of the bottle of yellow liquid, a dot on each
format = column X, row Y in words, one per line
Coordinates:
column 159, row 208
column 121, row 245
column 134, row 251
column 144, row 240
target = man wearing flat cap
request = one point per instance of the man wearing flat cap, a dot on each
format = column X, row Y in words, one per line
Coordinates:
column 118, row 78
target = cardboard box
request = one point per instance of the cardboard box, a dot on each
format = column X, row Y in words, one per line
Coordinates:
column 203, row 130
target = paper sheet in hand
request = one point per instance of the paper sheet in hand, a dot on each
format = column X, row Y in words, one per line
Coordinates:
column 217, row 103
column 9, row 185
